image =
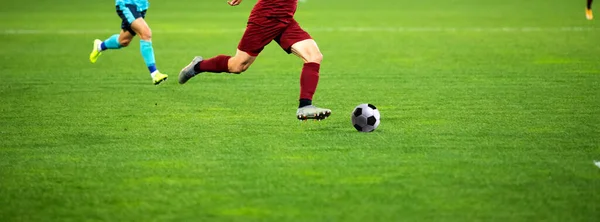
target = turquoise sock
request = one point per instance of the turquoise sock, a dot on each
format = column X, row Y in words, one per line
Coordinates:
column 111, row 43
column 148, row 54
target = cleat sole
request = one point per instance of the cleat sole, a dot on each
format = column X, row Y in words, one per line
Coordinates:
column 160, row 81
column 318, row 116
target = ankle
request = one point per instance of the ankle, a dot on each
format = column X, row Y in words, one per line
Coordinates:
column 304, row 102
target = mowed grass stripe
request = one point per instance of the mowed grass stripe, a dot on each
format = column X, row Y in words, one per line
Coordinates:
column 317, row 29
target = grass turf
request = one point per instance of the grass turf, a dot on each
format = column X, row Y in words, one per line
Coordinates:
column 490, row 111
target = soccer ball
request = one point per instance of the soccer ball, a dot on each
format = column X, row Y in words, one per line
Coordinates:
column 365, row 118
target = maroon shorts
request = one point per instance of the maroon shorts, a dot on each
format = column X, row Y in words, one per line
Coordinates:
column 260, row 33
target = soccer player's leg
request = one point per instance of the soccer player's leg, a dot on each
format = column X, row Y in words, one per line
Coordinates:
column 588, row 10
column 255, row 38
column 142, row 29
column 309, row 52
column 115, row 41
column 300, row 43
column 237, row 64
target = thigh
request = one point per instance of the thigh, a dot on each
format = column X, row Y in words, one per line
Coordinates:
column 258, row 34
column 140, row 27
column 128, row 14
column 292, row 34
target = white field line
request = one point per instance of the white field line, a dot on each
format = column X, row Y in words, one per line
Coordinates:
column 597, row 163
column 316, row 29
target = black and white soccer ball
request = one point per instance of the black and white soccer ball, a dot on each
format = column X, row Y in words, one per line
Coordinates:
column 365, row 118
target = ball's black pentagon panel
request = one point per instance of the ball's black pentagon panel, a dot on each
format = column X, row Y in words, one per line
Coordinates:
column 371, row 120
column 357, row 111
column 357, row 127
column 372, row 106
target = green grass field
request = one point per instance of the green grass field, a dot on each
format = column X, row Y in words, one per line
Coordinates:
column 490, row 112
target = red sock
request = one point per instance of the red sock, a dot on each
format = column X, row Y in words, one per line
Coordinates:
column 309, row 80
column 216, row 64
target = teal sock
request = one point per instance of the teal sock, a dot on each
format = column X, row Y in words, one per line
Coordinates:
column 148, row 54
column 111, row 43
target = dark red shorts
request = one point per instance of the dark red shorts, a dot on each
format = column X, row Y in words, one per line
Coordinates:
column 259, row 33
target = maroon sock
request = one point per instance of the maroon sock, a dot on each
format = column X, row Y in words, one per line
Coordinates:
column 309, row 80
column 216, row 64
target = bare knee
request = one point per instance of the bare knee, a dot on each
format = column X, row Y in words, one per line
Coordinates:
column 240, row 63
column 308, row 51
column 125, row 38
column 146, row 35
column 124, row 42
column 238, row 68
column 315, row 58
